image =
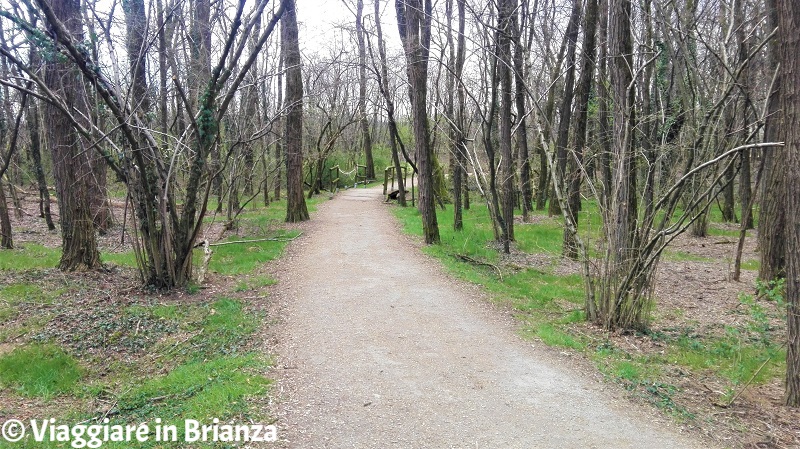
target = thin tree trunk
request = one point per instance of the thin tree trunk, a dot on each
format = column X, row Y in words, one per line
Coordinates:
column 581, row 120
column 6, row 236
column 296, row 209
column 565, row 110
column 604, row 107
column 366, row 139
column 506, row 28
column 280, row 156
column 771, row 223
column 34, row 151
column 522, row 131
column 34, row 132
column 414, row 25
column 383, row 83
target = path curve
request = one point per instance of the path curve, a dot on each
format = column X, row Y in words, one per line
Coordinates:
column 379, row 348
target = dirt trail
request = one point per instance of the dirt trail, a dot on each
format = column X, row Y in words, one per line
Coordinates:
column 381, row 349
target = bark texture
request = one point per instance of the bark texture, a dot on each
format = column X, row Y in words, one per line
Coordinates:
column 71, row 163
column 788, row 24
column 414, row 25
column 296, row 209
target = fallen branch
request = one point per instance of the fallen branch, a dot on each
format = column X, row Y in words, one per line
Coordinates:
column 273, row 239
column 481, row 263
column 752, row 378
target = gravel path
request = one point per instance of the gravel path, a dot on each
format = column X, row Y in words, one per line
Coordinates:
column 379, row 348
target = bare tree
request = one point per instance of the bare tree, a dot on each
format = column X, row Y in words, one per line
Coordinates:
column 381, row 69
column 296, row 209
column 414, row 24
column 366, row 139
column 581, row 120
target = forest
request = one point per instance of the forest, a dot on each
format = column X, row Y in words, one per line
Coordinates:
column 631, row 133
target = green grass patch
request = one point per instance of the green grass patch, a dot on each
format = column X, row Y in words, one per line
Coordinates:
column 243, row 258
column 27, row 293
column 39, row 371
column 8, row 313
column 721, row 232
column 752, row 265
column 126, row 259
column 682, row 256
column 553, row 336
column 29, row 256
column 254, row 283
column 732, row 357
column 201, row 390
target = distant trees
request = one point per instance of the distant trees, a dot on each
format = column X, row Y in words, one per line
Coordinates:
column 169, row 173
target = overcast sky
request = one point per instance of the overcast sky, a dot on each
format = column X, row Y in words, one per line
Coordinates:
column 319, row 19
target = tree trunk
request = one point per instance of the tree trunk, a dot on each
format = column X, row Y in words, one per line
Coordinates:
column 581, row 120
column 771, row 222
column 280, row 154
column 383, row 82
column 366, row 139
column 454, row 130
column 71, row 163
column 745, row 107
column 522, row 131
column 296, row 209
column 617, row 307
column 728, row 212
column 34, row 132
column 6, row 236
column 506, row 28
column 414, row 25
column 34, row 151
column 788, row 24
column 604, row 106
column 565, row 110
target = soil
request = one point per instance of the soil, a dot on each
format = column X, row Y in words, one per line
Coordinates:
column 378, row 347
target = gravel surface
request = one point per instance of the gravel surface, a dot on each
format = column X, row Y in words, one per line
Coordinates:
column 379, row 348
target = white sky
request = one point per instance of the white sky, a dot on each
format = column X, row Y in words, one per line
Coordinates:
column 318, row 20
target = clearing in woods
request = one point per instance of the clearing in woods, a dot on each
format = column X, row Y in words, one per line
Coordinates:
column 381, row 348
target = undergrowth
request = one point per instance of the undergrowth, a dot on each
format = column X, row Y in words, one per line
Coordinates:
column 137, row 356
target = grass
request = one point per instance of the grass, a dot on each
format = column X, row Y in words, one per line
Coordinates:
column 146, row 356
column 23, row 292
column 730, row 356
column 39, row 371
column 254, row 283
column 123, row 259
column 243, row 258
column 552, row 335
column 682, row 256
column 199, row 390
column 8, row 313
column 201, row 370
column 29, row 256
